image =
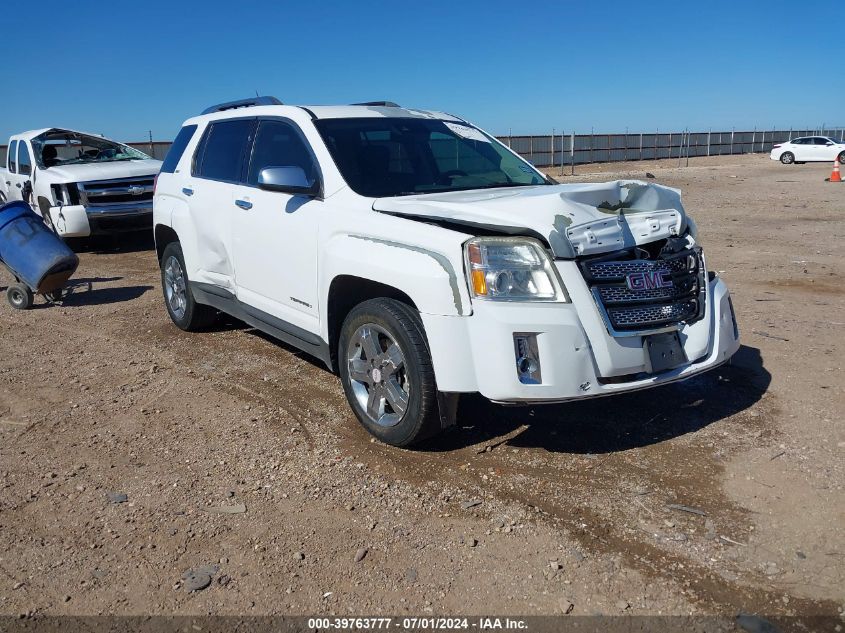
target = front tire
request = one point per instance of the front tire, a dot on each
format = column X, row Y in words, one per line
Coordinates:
column 183, row 309
column 386, row 372
column 787, row 158
column 842, row 158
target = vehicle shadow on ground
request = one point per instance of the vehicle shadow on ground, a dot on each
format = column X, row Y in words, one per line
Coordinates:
column 117, row 243
column 618, row 423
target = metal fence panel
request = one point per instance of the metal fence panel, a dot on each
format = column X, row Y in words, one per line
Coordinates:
column 549, row 151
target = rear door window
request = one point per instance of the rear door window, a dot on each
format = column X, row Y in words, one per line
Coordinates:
column 13, row 157
column 223, row 150
column 24, row 160
column 178, row 148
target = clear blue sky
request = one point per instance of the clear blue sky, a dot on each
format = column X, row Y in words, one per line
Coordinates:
column 122, row 68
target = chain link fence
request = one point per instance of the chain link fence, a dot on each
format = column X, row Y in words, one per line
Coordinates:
column 569, row 149
column 562, row 149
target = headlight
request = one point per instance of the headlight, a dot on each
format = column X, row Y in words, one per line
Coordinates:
column 511, row 269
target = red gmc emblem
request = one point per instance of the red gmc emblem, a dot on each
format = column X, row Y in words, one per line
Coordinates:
column 647, row 280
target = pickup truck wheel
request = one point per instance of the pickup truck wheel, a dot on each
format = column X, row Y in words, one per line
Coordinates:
column 386, row 371
column 184, row 311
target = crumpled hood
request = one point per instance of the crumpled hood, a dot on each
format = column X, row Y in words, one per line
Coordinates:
column 83, row 172
column 575, row 219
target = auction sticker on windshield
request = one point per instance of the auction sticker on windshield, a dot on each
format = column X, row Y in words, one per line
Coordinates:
column 467, row 132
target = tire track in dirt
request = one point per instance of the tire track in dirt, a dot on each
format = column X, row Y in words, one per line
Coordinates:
column 596, row 533
column 592, row 529
column 301, row 392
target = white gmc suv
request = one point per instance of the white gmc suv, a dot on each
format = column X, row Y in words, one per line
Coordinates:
column 420, row 258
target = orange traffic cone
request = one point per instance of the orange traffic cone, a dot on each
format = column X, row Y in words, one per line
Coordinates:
column 834, row 176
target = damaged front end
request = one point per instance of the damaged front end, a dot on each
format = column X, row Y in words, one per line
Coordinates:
column 574, row 220
column 642, row 309
column 648, row 289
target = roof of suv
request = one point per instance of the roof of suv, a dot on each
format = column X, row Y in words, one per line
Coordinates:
column 362, row 111
column 375, row 109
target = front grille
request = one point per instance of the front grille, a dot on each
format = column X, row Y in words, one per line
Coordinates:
column 603, row 271
column 121, row 191
column 637, row 295
column 652, row 315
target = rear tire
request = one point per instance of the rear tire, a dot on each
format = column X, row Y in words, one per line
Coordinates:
column 386, row 372
column 787, row 158
column 183, row 309
column 20, row 297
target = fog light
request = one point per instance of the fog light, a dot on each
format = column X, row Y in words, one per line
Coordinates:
column 527, row 359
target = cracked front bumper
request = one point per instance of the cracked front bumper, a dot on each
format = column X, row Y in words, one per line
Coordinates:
column 578, row 357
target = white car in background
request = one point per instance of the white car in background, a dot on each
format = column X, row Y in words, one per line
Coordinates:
column 809, row 149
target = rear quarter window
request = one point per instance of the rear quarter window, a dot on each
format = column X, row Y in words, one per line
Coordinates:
column 174, row 155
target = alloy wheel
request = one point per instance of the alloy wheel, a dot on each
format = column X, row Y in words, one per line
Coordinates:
column 377, row 374
column 174, row 287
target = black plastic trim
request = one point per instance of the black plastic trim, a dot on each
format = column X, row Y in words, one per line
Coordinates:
column 384, row 104
column 310, row 113
column 242, row 103
column 225, row 301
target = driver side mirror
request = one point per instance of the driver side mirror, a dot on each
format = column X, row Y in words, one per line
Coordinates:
column 829, row 143
column 289, row 179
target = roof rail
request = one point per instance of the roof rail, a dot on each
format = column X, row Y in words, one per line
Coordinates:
column 384, row 104
column 242, row 103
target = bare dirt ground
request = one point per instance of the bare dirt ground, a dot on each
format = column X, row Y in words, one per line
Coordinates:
column 104, row 395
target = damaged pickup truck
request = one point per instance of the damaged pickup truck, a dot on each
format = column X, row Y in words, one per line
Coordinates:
column 81, row 184
column 421, row 259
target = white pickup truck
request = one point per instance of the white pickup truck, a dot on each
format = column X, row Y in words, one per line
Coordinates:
column 421, row 259
column 81, row 184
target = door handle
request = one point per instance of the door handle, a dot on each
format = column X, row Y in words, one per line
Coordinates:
column 243, row 204
column 187, row 191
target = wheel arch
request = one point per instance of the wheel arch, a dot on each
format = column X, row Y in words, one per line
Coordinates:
column 163, row 236
column 354, row 268
column 346, row 292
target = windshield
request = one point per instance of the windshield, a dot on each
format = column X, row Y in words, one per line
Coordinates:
column 381, row 157
column 61, row 147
